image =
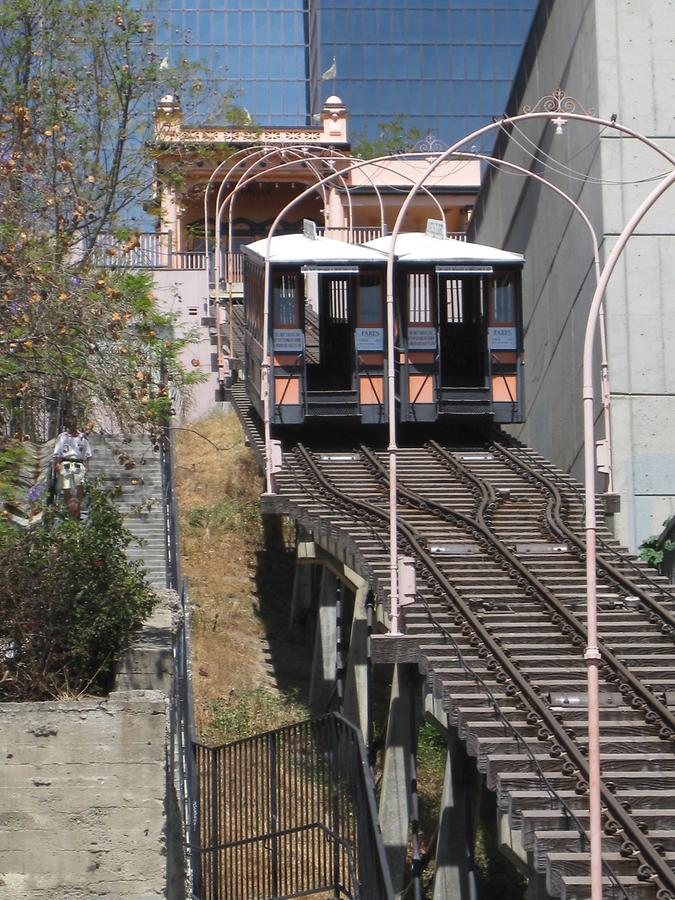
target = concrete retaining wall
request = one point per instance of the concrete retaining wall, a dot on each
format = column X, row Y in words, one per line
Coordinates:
column 87, row 806
column 83, row 796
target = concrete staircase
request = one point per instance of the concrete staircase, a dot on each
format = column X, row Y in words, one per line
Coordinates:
column 131, row 469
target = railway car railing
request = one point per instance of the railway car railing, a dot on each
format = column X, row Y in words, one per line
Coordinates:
column 289, row 813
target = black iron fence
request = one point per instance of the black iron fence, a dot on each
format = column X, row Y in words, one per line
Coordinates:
column 170, row 504
column 289, row 813
column 183, row 735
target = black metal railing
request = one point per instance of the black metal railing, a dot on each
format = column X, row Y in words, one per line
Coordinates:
column 289, row 813
column 169, row 502
column 39, row 414
column 183, row 737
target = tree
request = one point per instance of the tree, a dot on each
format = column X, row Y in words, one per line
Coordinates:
column 79, row 81
column 65, row 637
column 394, row 138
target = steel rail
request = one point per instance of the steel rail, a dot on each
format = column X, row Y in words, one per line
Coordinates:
column 318, row 492
column 618, row 820
column 557, row 523
column 539, row 470
column 520, row 740
column 484, row 534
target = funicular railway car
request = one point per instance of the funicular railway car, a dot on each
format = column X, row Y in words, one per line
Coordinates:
column 326, row 329
column 459, row 328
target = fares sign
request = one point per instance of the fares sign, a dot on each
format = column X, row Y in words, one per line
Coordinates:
column 309, row 229
column 370, row 339
column 436, row 229
column 502, row 338
column 421, row 338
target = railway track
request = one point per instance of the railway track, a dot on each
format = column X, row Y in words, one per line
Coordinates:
column 498, row 625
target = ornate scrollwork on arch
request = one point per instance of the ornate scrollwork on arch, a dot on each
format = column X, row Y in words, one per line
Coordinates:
column 558, row 102
column 429, row 144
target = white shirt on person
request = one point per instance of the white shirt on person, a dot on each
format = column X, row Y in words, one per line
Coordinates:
column 72, row 446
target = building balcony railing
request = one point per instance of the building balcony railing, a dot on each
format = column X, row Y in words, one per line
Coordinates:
column 361, row 234
column 154, row 250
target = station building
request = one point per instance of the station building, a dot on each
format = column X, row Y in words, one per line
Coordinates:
column 270, row 167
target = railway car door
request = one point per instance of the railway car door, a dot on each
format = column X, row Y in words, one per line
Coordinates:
column 369, row 343
column 336, row 326
column 419, row 384
column 288, row 348
column 462, row 331
column 329, row 328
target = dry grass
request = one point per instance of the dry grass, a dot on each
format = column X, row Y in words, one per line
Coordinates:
column 249, row 669
column 218, row 491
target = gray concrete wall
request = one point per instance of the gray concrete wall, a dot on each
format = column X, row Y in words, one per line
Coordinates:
column 635, row 78
column 82, row 802
column 614, row 56
column 180, row 291
column 87, row 804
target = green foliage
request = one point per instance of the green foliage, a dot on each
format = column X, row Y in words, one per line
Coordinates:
column 496, row 876
column 252, row 712
column 432, row 749
column 70, row 602
column 103, row 343
column 229, row 512
column 394, row 138
column 12, row 456
column 651, row 553
column 79, row 84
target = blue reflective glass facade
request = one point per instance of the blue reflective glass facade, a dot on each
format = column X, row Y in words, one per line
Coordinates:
column 443, row 66
column 258, row 47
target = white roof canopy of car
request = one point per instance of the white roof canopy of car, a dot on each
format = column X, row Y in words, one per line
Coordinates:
column 296, row 249
column 418, row 247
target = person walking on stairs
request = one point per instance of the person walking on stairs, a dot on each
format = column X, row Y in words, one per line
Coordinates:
column 72, row 453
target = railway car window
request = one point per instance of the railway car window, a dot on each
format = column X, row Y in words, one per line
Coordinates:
column 370, row 299
column 285, row 300
column 454, row 306
column 254, row 287
column 503, row 310
column 338, row 300
column 419, row 298
column 463, row 300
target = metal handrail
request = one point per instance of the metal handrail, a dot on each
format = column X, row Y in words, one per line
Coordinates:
column 182, row 720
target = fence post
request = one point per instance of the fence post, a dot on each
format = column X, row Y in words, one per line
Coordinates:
column 214, row 821
column 333, row 761
column 274, row 812
column 396, row 796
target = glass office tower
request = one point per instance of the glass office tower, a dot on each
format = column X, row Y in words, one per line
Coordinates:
column 442, row 66
column 257, row 47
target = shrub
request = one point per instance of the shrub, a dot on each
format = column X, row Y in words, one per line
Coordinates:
column 70, row 602
column 651, row 553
